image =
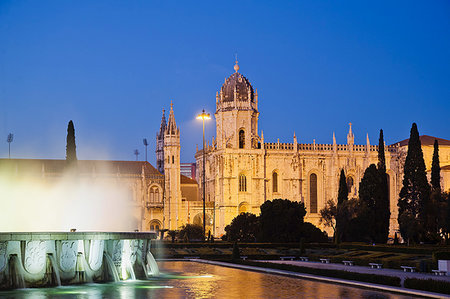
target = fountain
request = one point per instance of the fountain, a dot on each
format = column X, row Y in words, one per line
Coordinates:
column 40, row 259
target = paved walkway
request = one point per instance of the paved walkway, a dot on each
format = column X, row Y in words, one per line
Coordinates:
column 326, row 279
column 361, row 269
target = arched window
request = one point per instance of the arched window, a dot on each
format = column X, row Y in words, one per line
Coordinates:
column 313, row 193
column 173, row 159
column 242, row 183
column 275, row 181
column 241, row 138
column 349, row 184
column 243, row 208
column 155, row 225
column 154, row 196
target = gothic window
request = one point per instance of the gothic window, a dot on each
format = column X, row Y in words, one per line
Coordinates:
column 275, row 181
column 349, row 184
column 313, row 193
column 154, row 196
column 241, row 138
column 242, row 183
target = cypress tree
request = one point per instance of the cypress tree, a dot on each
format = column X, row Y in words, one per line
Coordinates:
column 71, row 148
column 381, row 156
column 415, row 193
column 382, row 199
column 436, row 169
column 436, row 209
column 343, row 190
column 341, row 222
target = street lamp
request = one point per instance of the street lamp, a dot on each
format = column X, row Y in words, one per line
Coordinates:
column 204, row 116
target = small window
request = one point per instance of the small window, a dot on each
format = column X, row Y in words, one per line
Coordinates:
column 275, row 182
column 242, row 183
column 173, row 159
column 241, row 139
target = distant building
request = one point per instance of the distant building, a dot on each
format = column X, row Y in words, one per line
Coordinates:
column 243, row 170
column 188, row 169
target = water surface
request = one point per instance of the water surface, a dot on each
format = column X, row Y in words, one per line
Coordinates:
column 197, row 280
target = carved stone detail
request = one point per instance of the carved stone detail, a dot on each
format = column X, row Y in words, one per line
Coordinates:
column 35, row 256
column 68, row 257
column 117, row 253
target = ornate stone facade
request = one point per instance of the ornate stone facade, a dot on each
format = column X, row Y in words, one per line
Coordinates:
column 242, row 170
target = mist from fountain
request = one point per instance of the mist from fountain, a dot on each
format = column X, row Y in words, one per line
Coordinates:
column 37, row 204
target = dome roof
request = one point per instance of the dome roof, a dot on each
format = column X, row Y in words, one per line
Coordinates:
column 237, row 86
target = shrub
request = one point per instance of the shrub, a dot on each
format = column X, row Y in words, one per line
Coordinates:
column 441, row 255
column 311, row 233
column 430, row 285
column 244, row 228
column 191, row 232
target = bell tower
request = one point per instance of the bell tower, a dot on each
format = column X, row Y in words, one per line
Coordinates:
column 172, row 204
column 237, row 113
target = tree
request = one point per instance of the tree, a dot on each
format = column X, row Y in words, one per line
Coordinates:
column 373, row 206
column 312, row 234
column 191, row 232
column 341, row 220
column 368, row 196
column 281, row 220
column 71, row 148
column 382, row 200
column 435, row 169
column 415, row 193
column 244, row 228
column 328, row 215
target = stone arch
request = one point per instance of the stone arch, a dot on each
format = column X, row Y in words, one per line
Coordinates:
column 244, row 207
column 154, row 225
column 198, row 220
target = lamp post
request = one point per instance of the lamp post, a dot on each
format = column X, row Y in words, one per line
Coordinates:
column 204, row 116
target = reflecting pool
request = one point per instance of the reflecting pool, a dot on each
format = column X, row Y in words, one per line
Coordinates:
column 197, row 280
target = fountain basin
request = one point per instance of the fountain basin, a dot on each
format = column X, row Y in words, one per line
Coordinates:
column 42, row 259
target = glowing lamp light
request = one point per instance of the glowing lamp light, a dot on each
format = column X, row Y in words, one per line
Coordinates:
column 204, row 115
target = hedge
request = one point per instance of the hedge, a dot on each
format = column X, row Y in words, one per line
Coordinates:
column 372, row 278
column 430, row 285
column 441, row 255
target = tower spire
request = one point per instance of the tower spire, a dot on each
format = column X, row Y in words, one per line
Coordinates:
column 163, row 123
column 236, row 66
column 171, row 128
column 350, row 136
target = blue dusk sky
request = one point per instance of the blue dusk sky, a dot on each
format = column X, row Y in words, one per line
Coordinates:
column 112, row 66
